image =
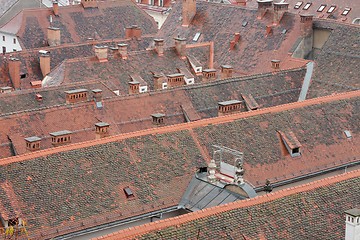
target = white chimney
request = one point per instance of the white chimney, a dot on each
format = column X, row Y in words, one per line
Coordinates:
column 352, row 230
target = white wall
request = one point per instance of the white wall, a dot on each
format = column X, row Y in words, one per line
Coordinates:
column 9, row 42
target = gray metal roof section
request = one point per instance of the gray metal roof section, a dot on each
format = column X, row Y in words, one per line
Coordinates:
column 60, row 133
column 201, row 194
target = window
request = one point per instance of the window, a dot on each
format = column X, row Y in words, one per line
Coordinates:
column 14, row 40
column 346, row 11
column 307, row 6
column 4, row 38
column 298, row 5
column 321, row 8
column 331, row 9
column 161, row 3
column 244, row 23
column 3, row 50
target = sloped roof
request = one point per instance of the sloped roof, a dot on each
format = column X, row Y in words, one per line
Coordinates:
column 131, row 113
column 157, row 164
column 77, row 24
column 219, row 23
column 338, row 61
column 314, row 211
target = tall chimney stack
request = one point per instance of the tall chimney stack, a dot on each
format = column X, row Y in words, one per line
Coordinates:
column 14, row 71
column 56, row 7
column 188, row 12
column 180, row 46
column 53, row 34
column 279, row 10
column 352, row 221
column 123, row 50
column 306, row 29
column 101, row 53
column 263, row 7
column 226, row 71
column 159, row 46
column 44, row 59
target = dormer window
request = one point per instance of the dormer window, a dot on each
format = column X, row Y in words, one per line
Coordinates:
column 346, row 11
column 321, row 8
column 128, row 193
column 291, row 143
column 298, row 5
column 307, row 6
column 331, row 9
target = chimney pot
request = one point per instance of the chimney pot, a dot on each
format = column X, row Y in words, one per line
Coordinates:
column 226, row 71
column 275, row 64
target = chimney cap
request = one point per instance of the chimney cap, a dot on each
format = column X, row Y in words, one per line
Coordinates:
column 102, row 124
column 264, row 1
column 122, row 44
column 227, row 66
column 97, row 90
column 14, row 59
column 100, row 46
column 6, row 88
column 176, row 75
column 158, row 39
column 355, row 212
column 54, row 28
column 114, row 48
column 230, row 102
column 281, row 3
column 158, row 115
column 33, row 139
column 76, row 91
column 275, row 61
column 44, row 52
column 306, row 15
column 209, row 70
column 134, row 82
column 60, row 133
column 178, row 38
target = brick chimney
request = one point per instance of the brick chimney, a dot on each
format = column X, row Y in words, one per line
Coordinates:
column 97, row 94
column 101, row 130
column 56, row 7
column 229, row 107
column 44, row 59
column 160, row 81
column 14, row 72
column 76, row 95
column 241, row 2
column 133, row 32
column 352, row 221
column 175, row 80
column 234, row 41
column 60, row 138
column 226, row 71
column 279, row 10
column 263, row 7
column 180, row 46
column 53, row 34
column 89, row 3
column 113, row 52
column 158, row 118
column 307, row 33
column 33, row 143
column 123, row 50
column 159, row 46
column 209, row 74
column 275, row 64
column 134, row 87
column 306, row 25
column 101, row 53
column 268, row 30
column 188, row 12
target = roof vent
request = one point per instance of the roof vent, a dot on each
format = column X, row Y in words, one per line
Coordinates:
column 348, row 134
column 128, row 192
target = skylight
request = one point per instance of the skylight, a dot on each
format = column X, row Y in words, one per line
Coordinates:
column 331, row 9
column 346, row 11
column 321, row 8
column 196, row 37
column 244, row 23
column 348, row 134
column 307, row 6
column 128, row 192
column 298, row 5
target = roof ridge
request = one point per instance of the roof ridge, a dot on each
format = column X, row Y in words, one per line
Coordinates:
column 182, row 126
column 143, row 229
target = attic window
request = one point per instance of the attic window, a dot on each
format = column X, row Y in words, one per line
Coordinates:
column 128, row 192
column 298, row 5
column 321, row 8
column 346, row 11
column 331, row 9
column 348, row 134
column 307, row 6
column 291, row 143
column 196, row 37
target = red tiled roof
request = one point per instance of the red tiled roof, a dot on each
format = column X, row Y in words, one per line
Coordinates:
column 294, row 213
column 77, row 24
column 139, row 156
